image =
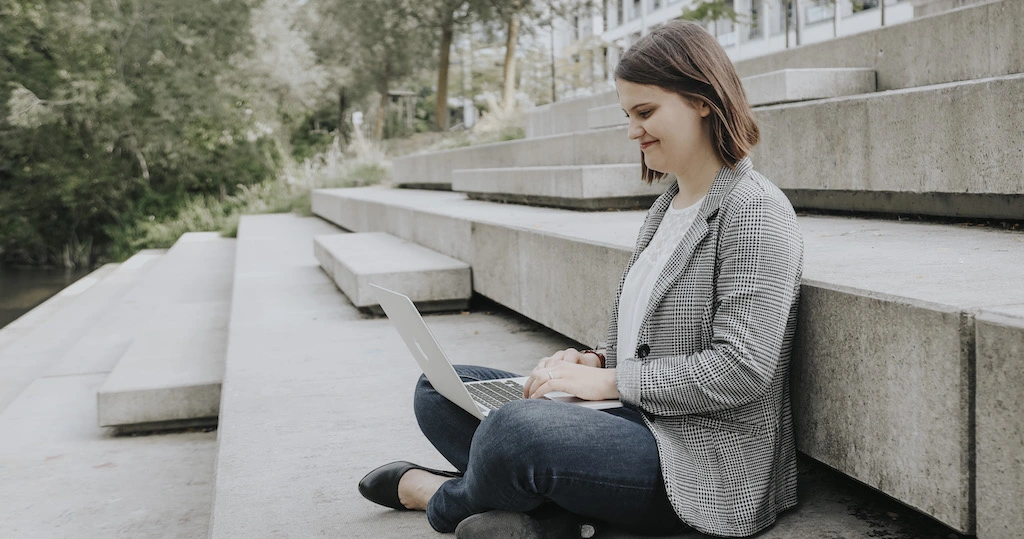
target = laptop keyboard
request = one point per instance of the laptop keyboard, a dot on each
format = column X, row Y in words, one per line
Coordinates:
column 496, row 393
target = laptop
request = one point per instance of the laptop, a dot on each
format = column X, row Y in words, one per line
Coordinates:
column 478, row 398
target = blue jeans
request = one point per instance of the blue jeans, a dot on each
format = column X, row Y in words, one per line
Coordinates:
column 602, row 465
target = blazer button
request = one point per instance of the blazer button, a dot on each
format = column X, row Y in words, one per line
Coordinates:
column 642, row 351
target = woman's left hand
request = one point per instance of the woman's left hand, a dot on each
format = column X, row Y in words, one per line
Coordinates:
column 587, row 383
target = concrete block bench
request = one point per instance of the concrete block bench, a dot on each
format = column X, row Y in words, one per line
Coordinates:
column 594, row 187
column 170, row 376
column 434, row 282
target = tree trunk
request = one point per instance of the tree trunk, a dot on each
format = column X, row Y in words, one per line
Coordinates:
column 796, row 20
column 441, row 107
column 342, row 125
column 554, row 95
column 508, row 98
column 378, row 129
column 786, row 8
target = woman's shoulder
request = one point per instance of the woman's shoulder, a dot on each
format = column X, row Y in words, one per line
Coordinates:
column 756, row 193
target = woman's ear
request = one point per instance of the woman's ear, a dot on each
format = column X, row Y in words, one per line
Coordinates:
column 703, row 109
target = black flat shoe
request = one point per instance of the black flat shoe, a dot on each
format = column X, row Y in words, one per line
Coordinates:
column 381, row 485
column 509, row 525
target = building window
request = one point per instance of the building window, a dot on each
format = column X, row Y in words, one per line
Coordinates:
column 620, row 17
column 636, row 9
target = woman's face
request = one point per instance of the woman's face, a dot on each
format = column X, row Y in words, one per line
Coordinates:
column 668, row 127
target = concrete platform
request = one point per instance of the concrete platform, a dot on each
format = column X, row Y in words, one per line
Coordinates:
column 1000, row 425
column 318, row 396
column 596, row 187
column 171, row 373
column 434, row 282
column 62, row 321
column 887, row 312
column 64, row 477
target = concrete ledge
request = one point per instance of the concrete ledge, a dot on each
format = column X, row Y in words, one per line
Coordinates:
column 580, row 187
column 430, row 279
column 173, row 369
column 886, row 321
column 790, row 85
column 986, row 39
column 1000, row 420
column 952, row 142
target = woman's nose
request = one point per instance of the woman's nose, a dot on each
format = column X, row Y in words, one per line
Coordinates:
column 634, row 131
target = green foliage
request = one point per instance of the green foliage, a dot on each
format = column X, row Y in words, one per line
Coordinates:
column 710, row 11
column 115, row 112
column 288, row 192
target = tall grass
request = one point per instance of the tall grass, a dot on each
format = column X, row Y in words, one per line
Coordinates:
column 362, row 163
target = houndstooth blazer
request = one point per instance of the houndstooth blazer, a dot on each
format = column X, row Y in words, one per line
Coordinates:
column 711, row 369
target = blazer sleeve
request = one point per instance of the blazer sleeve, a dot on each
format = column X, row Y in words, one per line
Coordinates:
column 760, row 257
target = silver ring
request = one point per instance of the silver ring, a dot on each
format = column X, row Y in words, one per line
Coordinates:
column 550, row 376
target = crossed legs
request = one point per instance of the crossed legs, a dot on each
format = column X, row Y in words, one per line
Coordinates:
column 597, row 464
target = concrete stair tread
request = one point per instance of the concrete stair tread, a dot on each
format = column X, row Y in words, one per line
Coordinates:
column 581, row 186
column 172, row 370
column 43, row 338
column 433, row 281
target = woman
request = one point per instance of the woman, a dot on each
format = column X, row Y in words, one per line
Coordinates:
column 699, row 346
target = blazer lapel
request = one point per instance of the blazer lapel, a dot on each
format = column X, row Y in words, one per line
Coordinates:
column 720, row 188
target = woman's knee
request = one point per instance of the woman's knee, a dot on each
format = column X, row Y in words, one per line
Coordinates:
column 514, row 430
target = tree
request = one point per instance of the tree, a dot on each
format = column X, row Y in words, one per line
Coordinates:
column 711, row 11
column 114, row 112
column 384, row 40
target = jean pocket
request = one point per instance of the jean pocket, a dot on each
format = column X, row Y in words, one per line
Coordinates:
column 727, row 426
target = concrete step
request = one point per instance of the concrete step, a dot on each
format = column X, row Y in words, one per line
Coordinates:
column 433, row 281
column 594, row 187
column 1000, row 420
column 783, row 86
column 887, row 318
column 316, row 395
column 170, row 375
column 566, row 116
column 587, row 147
column 30, row 320
column 54, row 328
column 945, row 150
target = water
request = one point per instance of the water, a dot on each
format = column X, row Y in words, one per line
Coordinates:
column 23, row 288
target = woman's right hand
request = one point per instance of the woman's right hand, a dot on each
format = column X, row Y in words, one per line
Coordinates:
column 570, row 355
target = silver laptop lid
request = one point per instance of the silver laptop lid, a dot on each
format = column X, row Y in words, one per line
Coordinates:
column 425, row 349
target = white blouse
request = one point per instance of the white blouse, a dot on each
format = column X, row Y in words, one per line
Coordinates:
column 640, row 281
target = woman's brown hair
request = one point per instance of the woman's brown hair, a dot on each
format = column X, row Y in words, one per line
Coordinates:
column 684, row 58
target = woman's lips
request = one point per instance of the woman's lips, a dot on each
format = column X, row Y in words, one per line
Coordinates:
column 644, row 145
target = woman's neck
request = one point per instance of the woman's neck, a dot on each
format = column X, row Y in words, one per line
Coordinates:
column 695, row 181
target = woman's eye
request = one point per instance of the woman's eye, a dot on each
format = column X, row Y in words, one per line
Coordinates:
column 644, row 113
